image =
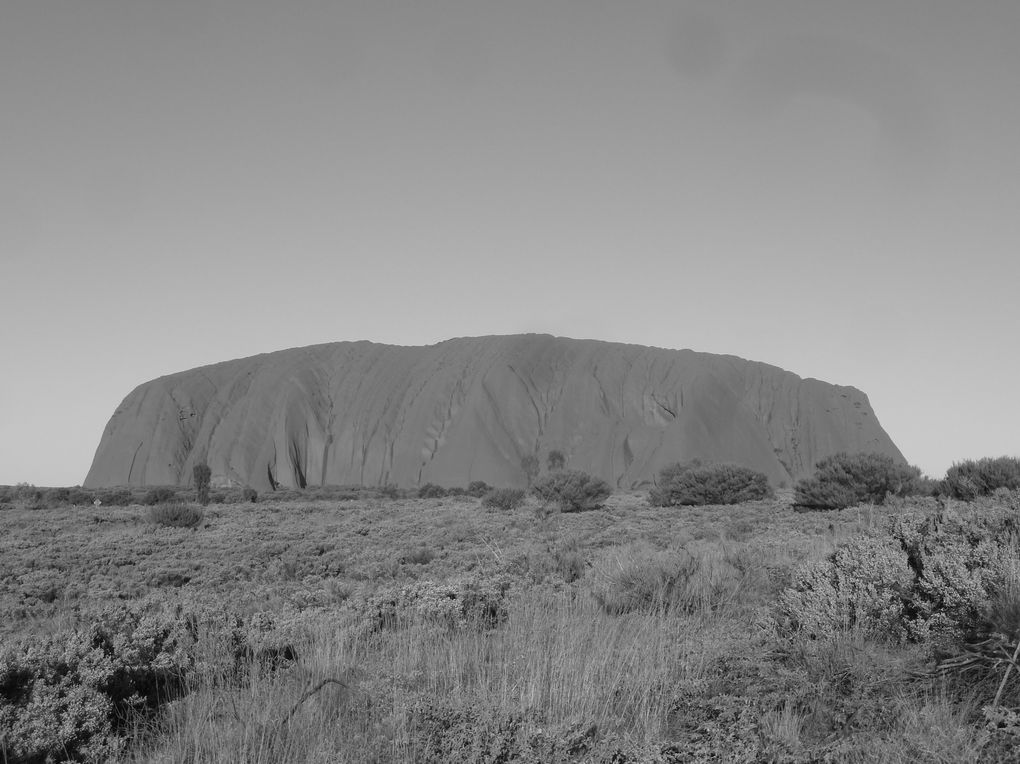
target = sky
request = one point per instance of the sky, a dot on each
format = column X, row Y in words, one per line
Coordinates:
column 831, row 187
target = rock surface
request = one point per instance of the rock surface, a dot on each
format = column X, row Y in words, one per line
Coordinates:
column 469, row 409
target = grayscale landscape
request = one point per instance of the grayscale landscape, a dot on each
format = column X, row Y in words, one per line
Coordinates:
column 541, row 381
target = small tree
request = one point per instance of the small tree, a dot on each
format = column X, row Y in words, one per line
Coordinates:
column 202, row 475
column 530, row 466
column 556, row 460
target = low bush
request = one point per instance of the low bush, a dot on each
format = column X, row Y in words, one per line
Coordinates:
column 159, row 496
column 860, row 586
column 700, row 485
column 970, row 479
column 71, row 697
column 462, row 603
column 845, row 480
column 478, row 488
column 69, row 497
column 572, row 490
column 117, row 498
column 938, row 579
column 431, row 491
column 57, row 496
column 504, row 498
column 177, row 514
column 634, row 578
column 249, row 494
column 418, row 556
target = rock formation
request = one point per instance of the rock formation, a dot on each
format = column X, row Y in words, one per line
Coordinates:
column 469, row 409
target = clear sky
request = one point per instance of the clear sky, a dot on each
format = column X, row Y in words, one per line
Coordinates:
column 830, row 187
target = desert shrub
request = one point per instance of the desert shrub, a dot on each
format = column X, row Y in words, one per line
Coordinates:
column 700, row 485
column 555, row 460
column 431, row 491
column 249, row 494
column 861, row 585
column 218, row 498
column 569, row 560
column 71, row 696
column 530, row 467
column 504, row 498
column 845, row 480
column 573, row 490
column 159, row 496
column 176, row 514
column 57, row 496
column 202, row 475
column 80, row 498
column 478, row 488
column 389, row 491
column 117, row 498
column 937, row 578
column 970, row 479
column 635, row 578
column 418, row 556
column 65, row 496
column 461, row 603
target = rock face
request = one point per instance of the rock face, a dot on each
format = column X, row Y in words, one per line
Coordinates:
column 470, row 409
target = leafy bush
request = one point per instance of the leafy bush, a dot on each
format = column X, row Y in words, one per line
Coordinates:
column 431, row 491
column 159, row 496
column 845, row 480
column 175, row 514
column 936, row 578
column 478, row 488
column 70, row 697
column 861, row 585
column 249, row 494
column 573, row 490
column 202, row 475
column 504, row 498
column 970, row 479
column 699, row 485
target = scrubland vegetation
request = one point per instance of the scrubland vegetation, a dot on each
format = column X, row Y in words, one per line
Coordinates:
column 350, row 625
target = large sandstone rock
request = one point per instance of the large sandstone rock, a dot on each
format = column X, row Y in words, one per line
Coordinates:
column 469, row 409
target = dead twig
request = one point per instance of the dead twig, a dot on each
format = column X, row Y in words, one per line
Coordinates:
column 311, row 692
column 1009, row 668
